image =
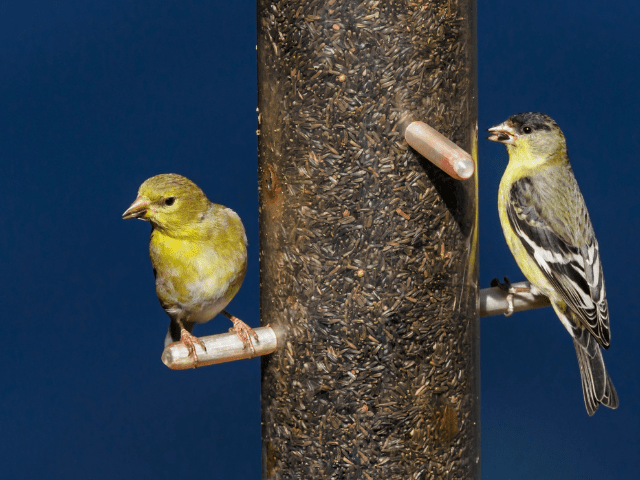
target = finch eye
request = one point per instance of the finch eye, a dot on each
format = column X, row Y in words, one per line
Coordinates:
column 527, row 129
column 169, row 201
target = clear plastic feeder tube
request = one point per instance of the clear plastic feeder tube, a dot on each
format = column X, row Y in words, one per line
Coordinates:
column 368, row 250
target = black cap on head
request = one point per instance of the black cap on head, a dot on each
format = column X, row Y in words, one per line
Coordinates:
column 535, row 120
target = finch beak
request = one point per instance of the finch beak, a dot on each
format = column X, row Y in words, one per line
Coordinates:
column 138, row 209
column 503, row 133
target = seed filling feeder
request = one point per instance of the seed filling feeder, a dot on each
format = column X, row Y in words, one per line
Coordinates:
column 368, row 252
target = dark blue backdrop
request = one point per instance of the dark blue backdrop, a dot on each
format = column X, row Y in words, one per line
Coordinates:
column 96, row 96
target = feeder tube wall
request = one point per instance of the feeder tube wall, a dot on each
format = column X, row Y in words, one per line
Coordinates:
column 368, row 251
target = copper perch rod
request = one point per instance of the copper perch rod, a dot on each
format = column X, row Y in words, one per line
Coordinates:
column 493, row 301
column 439, row 150
column 225, row 347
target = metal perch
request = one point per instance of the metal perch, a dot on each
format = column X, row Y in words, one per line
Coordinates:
column 225, row 347
column 493, row 301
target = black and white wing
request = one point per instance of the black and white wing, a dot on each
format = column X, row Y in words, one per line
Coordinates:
column 572, row 267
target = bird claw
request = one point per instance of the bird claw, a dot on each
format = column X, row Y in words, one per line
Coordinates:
column 188, row 341
column 504, row 286
column 244, row 332
column 509, row 311
column 511, row 290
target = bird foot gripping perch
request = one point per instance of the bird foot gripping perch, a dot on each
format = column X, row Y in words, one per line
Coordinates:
column 512, row 290
column 190, row 342
column 243, row 331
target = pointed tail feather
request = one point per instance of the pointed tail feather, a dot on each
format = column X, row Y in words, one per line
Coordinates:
column 597, row 387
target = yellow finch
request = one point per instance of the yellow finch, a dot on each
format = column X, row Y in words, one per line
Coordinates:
column 198, row 252
column 547, row 227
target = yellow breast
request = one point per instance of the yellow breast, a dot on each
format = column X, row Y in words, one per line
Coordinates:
column 198, row 278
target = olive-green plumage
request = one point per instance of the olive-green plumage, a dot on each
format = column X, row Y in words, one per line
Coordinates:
column 198, row 251
column 547, row 228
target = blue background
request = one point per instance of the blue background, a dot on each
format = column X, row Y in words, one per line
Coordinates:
column 97, row 96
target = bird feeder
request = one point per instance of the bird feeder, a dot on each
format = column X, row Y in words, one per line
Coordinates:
column 368, row 251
